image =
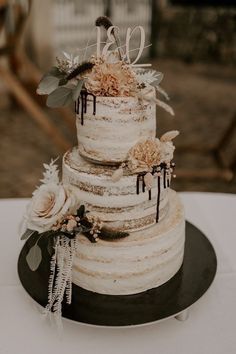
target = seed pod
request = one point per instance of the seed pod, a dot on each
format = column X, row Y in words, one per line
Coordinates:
column 117, row 174
column 169, row 135
column 148, row 180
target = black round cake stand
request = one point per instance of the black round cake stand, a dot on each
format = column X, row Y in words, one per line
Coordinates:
column 168, row 300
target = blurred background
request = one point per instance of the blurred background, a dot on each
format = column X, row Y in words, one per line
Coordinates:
column 193, row 44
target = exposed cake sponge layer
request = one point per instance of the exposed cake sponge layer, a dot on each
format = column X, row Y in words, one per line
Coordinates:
column 116, row 203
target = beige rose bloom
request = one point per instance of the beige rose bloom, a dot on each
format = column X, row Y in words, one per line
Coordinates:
column 49, row 205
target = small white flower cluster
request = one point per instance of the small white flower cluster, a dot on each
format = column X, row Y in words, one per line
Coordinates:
column 96, row 226
column 68, row 224
column 72, row 60
column 69, row 63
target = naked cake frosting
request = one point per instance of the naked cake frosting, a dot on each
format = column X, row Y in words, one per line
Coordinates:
column 106, row 133
column 112, row 222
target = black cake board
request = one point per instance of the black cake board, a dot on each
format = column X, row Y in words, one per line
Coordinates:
column 168, row 300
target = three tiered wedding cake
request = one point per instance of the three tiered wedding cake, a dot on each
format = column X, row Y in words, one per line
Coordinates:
column 113, row 224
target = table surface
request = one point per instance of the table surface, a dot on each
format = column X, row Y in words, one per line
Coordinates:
column 210, row 328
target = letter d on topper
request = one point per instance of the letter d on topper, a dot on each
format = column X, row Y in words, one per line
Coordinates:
column 129, row 34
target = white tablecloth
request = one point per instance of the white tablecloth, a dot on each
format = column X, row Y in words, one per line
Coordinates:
column 210, row 329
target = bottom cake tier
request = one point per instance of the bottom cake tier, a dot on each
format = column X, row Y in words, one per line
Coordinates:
column 143, row 260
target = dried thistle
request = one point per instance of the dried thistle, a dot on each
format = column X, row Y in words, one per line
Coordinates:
column 103, row 21
column 82, row 68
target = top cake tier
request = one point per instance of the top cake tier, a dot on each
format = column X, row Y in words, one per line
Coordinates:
column 115, row 97
column 108, row 127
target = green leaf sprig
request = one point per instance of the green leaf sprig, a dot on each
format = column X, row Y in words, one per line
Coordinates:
column 59, row 88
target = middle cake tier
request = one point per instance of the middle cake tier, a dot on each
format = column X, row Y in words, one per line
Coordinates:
column 122, row 205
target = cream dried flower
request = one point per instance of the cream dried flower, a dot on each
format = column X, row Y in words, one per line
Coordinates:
column 148, row 180
column 111, row 79
column 167, row 151
column 167, row 146
column 168, row 136
column 144, row 155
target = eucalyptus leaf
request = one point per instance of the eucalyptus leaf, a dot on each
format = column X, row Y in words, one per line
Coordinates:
column 55, row 72
column 47, row 85
column 60, row 97
column 27, row 234
column 77, row 90
column 34, row 257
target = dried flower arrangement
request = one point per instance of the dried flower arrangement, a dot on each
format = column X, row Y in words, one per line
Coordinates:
column 147, row 154
column 111, row 79
column 110, row 74
column 55, row 214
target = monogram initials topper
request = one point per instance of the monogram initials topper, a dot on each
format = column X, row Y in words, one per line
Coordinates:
column 124, row 50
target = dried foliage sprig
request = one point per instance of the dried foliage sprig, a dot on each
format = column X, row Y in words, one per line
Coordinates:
column 110, row 235
column 82, row 68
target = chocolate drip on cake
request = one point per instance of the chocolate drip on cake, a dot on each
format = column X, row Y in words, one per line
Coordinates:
column 158, row 196
column 82, row 109
column 84, row 100
column 150, row 194
column 164, row 178
column 143, row 183
column 94, row 105
column 137, row 183
column 166, row 182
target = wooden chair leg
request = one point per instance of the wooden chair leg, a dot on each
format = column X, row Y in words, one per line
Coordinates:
column 33, row 109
